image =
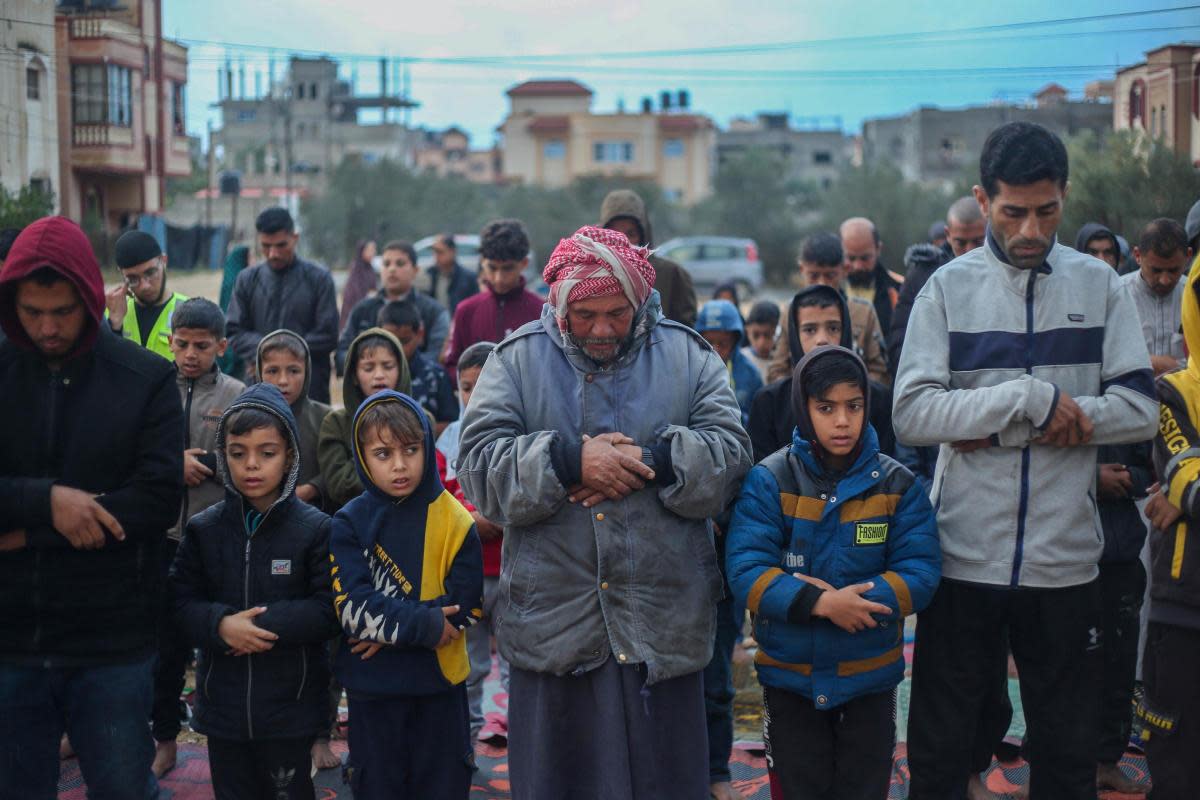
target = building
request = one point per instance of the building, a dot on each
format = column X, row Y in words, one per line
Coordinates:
column 551, row 136
column 449, row 152
column 292, row 138
column 1160, row 97
column 28, row 91
column 935, row 145
column 814, row 153
column 121, row 121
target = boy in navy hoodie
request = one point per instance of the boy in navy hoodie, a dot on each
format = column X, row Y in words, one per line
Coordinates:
column 251, row 590
column 407, row 580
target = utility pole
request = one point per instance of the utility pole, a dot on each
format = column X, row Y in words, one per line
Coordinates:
column 208, row 195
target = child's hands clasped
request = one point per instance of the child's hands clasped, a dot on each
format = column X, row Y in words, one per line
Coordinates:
column 243, row 636
column 449, row 631
column 847, row 609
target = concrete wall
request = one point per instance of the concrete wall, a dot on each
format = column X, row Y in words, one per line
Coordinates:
column 29, row 135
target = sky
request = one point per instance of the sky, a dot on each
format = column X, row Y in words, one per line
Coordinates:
column 826, row 64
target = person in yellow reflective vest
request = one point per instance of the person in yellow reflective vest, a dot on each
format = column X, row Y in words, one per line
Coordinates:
column 140, row 307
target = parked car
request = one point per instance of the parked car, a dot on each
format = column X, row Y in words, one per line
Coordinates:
column 712, row 260
column 467, row 245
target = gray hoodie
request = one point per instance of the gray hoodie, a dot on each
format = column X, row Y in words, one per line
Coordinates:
column 988, row 351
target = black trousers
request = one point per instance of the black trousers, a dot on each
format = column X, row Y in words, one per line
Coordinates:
column 844, row 753
column 1171, row 710
column 1055, row 640
column 411, row 748
column 1122, row 587
column 171, row 664
column 266, row 769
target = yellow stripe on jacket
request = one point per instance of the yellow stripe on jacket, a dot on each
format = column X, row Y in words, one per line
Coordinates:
column 447, row 524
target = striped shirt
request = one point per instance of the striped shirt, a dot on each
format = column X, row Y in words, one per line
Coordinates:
column 1159, row 315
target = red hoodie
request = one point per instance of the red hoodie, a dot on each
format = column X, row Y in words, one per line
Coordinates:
column 489, row 317
column 60, row 244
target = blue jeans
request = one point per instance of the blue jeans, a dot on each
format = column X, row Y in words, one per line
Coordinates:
column 719, row 693
column 104, row 709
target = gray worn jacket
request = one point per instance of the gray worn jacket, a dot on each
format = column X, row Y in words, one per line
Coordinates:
column 989, row 349
column 635, row 579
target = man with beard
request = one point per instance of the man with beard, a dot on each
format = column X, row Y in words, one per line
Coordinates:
column 1021, row 356
column 1162, row 255
column 866, row 277
column 140, row 308
column 603, row 438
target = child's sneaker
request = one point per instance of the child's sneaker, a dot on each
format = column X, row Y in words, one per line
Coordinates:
column 495, row 730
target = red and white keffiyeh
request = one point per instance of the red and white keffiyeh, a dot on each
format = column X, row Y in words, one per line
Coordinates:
column 597, row 262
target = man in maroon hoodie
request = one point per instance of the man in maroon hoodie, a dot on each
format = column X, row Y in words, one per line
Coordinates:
column 91, row 476
column 492, row 315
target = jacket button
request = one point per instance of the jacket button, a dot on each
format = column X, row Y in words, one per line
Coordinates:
column 589, row 377
column 875, row 474
column 621, row 658
column 822, row 496
column 604, row 584
column 600, row 517
column 822, row 699
column 833, row 499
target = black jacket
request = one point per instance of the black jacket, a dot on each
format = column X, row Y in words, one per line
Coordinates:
column 300, row 298
column 108, row 422
column 1124, row 530
column 462, row 285
column 222, row 568
column 920, row 261
column 434, row 321
column 887, row 292
column 772, row 419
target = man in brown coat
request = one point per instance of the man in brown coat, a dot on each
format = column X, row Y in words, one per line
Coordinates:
column 625, row 212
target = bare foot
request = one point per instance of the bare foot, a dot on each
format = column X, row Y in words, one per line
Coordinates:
column 165, row 755
column 65, row 750
column 976, row 790
column 724, row 791
column 323, row 757
column 1110, row 776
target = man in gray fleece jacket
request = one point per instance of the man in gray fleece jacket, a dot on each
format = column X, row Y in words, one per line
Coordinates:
column 1021, row 357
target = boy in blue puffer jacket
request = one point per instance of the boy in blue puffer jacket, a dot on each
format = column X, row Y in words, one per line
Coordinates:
column 407, row 580
column 720, row 323
column 831, row 546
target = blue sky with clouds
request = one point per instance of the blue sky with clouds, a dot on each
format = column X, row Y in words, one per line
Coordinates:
column 839, row 60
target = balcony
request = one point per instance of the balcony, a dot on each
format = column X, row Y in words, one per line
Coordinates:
column 101, row 135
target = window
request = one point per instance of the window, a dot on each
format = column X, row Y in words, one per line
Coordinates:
column 246, row 115
column 613, row 152
column 721, row 252
column 673, row 148
column 40, row 185
column 120, row 96
column 1137, row 103
column 1153, row 121
column 1196, row 91
column 87, row 93
column 33, row 84
column 554, row 148
column 822, row 157
column 299, row 91
column 674, row 195
column 178, row 109
column 312, row 91
column 1162, row 121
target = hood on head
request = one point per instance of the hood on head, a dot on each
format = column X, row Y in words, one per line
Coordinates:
column 265, row 397
column 352, row 395
column 1090, row 231
column 626, row 203
column 804, row 424
column 431, row 483
column 284, row 333
column 61, row 245
column 719, row 315
column 836, row 298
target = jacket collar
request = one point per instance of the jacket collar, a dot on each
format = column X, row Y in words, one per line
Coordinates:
column 206, row 380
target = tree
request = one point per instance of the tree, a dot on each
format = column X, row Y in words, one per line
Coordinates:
column 1125, row 182
column 20, row 209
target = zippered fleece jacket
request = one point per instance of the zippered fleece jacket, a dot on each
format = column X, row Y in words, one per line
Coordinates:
column 989, row 351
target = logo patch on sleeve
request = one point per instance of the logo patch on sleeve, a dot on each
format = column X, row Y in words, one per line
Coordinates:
column 870, row 533
column 281, row 566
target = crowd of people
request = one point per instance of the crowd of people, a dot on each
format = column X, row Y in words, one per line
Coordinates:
column 606, row 489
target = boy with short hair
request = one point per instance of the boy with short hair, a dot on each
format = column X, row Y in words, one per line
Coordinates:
column 252, row 590
column 762, row 331
column 832, row 545
column 505, row 304
column 374, row 361
column 407, row 580
column 196, row 341
column 397, row 277
column 430, row 383
column 284, row 360
column 721, row 326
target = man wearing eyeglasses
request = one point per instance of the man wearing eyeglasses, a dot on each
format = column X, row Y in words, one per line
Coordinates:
column 140, row 307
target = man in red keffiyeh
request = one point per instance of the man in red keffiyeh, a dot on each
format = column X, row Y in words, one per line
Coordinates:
column 603, row 438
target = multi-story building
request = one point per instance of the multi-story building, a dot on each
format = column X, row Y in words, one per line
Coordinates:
column 1160, row 97
column 121, row 119
column 813, row 153
column 28, row 91
column 449, row 152
column 306, row 125
column 934, row 145
column 551, row 136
